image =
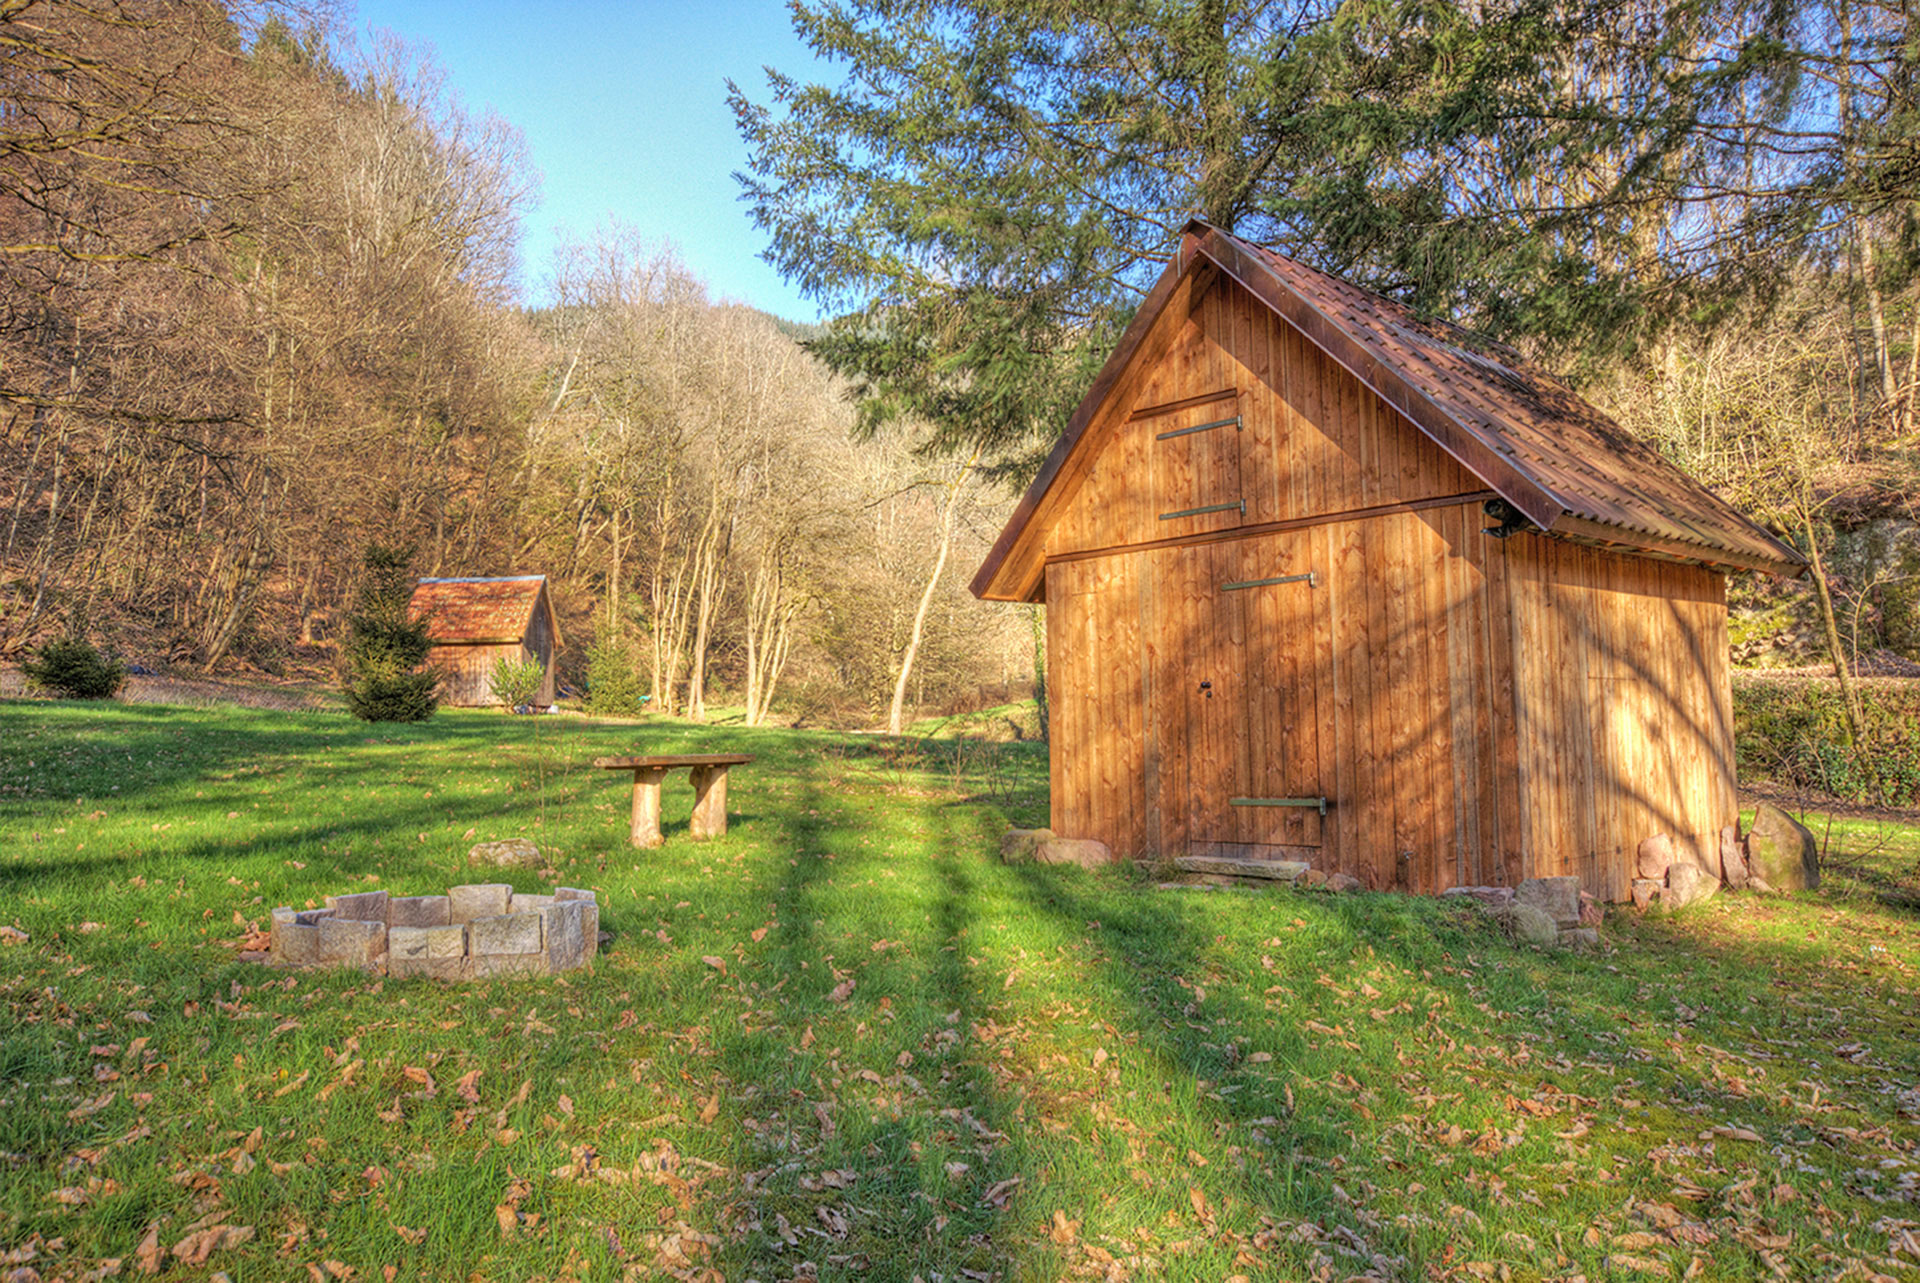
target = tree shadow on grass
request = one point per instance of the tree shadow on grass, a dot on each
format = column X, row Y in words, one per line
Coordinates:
column 1353, row 1107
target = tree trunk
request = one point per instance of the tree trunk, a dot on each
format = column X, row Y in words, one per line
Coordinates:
column 897, row 711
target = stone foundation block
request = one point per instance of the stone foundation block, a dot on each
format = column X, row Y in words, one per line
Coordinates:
column 513, row 933
column 483, row 900
column 592, row 922
column 352, row 942
column 563, row 928
column 1558, row 898
column 530, row 903
column 1019, row 845
column 1491, row 897
column 1646, row 891
column 419, row 911
column 366, row 906
column 283, row 917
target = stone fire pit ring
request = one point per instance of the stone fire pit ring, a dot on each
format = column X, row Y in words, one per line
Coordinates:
column 469, row 933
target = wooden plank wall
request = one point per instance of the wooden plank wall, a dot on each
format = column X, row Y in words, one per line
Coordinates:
column 1625, row 720
column 1314, row 441
column 1385, row 686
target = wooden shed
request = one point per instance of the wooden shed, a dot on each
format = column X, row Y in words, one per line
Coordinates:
column 1331, row 583
column 477, row 622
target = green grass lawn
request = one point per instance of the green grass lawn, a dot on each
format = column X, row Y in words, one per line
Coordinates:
column 845, row 1042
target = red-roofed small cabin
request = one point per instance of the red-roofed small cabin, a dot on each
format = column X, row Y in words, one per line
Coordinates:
column 477, row 622
column 1329, row 582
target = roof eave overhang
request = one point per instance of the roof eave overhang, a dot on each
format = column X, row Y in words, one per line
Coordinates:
column 1787, row 563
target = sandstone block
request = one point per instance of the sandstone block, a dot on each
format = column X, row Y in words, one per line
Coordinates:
column 513, row 853
column 1781, row 851
column 1656, row 856
column 453, row 969
column 1686, row 885
column 419, row 911
column 447, row 942
column 366, row 906
column 1527, row 923
column 564, row 934
column 1581, row 938
column 1492, row 897
column 1312, row 879
column 407, row 951
column 1085, row 853
column 1342, row 882
column 1558, row 898
column 484, row 900
column 482, row 965
column 1592, row 912
column 511, row 933
column 1019, row 845
column 529, row 903
column 1645, row 892
column 352, row 942
column 592, row 911
column 1733, row 861
column 297, row 945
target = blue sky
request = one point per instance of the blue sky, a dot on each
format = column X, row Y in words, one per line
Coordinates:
column 624, row 111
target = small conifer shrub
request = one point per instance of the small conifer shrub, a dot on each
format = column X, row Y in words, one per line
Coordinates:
column 613, row 680
column 74, row 668
column 516, row 682
column 386, row 650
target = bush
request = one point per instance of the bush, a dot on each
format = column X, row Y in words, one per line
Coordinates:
column 73, row 668
column 516, row 682
column 386, row 648
column 1792, row 731
column 613, row 680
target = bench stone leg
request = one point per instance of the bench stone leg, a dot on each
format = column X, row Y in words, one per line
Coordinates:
column 646, row 805
column 709, row 801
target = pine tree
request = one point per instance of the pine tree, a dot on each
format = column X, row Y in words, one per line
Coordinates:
column 386, row 648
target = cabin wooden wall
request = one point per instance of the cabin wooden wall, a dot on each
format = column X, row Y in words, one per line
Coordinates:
column 1312, row 441
column 468, row 667
column 1475, row 711
column 1625, row 711
column 1384, row 685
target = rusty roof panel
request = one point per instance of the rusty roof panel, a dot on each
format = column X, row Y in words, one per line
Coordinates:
column 1564, row 445
column 478, row 611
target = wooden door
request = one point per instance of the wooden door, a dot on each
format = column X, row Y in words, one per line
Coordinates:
column 1193, row 466
column 1248, row 674
column 1277, row 590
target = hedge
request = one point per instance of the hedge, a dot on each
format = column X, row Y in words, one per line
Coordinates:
column 1791, row 730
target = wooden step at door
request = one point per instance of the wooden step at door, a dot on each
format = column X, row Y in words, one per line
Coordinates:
column 1229, row 867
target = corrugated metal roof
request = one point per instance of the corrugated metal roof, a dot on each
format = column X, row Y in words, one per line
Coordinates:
column 1576, row 456
column 479, row 610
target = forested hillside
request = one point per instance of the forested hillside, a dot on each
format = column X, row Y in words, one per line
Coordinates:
column 256, row 313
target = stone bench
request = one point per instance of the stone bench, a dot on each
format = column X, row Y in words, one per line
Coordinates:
column 709, row 773
column 467, row 934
